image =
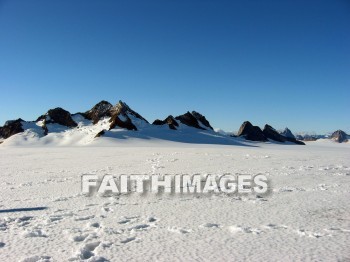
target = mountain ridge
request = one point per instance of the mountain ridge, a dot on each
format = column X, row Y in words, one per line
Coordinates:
column 104, row 118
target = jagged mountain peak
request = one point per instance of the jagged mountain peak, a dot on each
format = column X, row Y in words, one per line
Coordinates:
column 287, row 133
column 100, row 110
column 170, row 121
column 271, row 133
column 123, row 116
column 250, row 132
column 339, row 136
column 189, row 120
column 122, row 108
column 201, row 118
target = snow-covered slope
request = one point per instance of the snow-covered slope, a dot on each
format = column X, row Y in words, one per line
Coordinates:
column 44, row 216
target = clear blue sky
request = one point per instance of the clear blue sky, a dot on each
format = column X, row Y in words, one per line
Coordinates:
column 286, row 63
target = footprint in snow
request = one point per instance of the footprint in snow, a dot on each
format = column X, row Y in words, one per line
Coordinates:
column 140, row 227
column 336, row 229
column 303, row 232
column 79, row 238
column 127, row 240
column 209, row 225
column 152, row 219
column 59, row 199
column 274, row 226
column 107, row 209
column 94, row 224
column 128, row 219
column 124, row 221
column 179, row 230
column 86, row 252
column 53, row 218
column 34, row 233
column 81, row 218
column 249, row 230
column 37, row 259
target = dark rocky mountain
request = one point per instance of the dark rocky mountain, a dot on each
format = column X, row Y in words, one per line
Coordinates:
column 189, row 120
column 250, row 132
column 11, row 128
column 100, row 110
column 170, row 121
column 287, row 133
column 272, row 134
column 339, row 136
column 121, row 115
column 58, row 116
column 202, row 119
column 195, row 120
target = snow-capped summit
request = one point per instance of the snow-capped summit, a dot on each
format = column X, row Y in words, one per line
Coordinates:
column 287, row 133
column 123, row 116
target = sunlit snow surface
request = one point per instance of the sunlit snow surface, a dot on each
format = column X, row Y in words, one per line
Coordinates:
column 305, row 217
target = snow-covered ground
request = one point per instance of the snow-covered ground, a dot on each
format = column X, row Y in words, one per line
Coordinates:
column 305, row 217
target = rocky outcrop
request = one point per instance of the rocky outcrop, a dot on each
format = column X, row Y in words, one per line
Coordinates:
column 250, row 132
column 339, row 136
column 287, row 133
column 100, row 110
column 170, row 121
column 202, row 119
column 58, row 116
column 272, row 134
column 189, row 120
column 122, row 116
column 101, row 133
column 11, row 128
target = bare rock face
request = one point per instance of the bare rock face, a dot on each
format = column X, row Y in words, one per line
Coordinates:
column 170, row 121
column 100, row 110
column 339, row 136
column 11, row 128
column 123, row 116
column 250, row 132
column 202, row 119
column 272, row 134
column 287, row 133
column 58, row 116
column 189, row 120
column 101, row 133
